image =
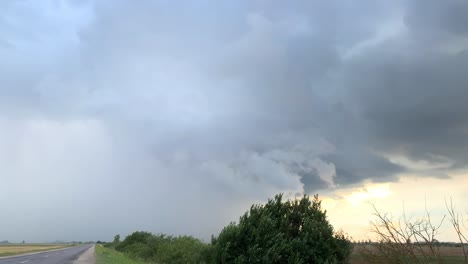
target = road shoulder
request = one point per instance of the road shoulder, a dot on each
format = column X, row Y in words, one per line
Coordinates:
column 87, row 257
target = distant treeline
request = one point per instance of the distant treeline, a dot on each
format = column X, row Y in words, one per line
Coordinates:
column 434, row 243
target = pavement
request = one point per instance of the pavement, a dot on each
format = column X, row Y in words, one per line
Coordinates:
column 73, row 255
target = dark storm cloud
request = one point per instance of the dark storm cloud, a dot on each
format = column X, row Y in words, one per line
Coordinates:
column 361, row 164
column 225, row 103
column 311, row 179
column 413, row 96
column 449, row 16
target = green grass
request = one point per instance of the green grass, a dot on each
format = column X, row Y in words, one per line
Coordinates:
column 110, row 256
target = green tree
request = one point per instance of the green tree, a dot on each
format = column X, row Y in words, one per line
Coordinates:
column 116, row 241
column 141, row 245
column 282, row 232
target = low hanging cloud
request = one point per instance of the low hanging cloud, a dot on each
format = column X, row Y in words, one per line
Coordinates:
column 183, row 114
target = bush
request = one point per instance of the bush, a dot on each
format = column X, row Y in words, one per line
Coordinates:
column 141, row 245
column 181, row 250
column 282, row 232
column 164, row 249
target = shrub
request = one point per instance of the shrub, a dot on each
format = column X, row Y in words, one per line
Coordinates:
column 282, row 232
column 164, row 249
column 141, row 245
column 181, row 250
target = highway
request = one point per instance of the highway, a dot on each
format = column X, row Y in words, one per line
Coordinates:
column 61, row 256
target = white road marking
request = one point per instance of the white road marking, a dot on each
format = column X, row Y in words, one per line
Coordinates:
column 26, row 261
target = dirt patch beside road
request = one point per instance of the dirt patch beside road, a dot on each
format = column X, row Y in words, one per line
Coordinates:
column 87, row 257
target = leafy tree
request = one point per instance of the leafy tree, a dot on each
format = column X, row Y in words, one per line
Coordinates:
column 116, row 241
column 282, row 232
column 141, row 245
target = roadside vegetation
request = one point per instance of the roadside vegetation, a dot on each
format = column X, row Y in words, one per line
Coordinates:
column 162, row 248
column 297, row 231
column 110, row 256
column 280, row 231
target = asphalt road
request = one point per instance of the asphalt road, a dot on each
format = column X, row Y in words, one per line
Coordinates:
column 61, row 256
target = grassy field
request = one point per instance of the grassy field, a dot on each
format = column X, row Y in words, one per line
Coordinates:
column 15, row 249
column 110, row 256
column 450, row 255
column 359, row 259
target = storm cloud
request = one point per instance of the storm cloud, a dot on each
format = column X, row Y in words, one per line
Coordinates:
column 174, row 117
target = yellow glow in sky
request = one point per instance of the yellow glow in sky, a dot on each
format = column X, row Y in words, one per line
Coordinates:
column 368, row 193
column 351, row 209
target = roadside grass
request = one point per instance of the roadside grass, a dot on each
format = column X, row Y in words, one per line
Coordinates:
column 110, row 256
column 16, row 249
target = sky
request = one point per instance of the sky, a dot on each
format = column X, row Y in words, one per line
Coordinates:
column 176, row 116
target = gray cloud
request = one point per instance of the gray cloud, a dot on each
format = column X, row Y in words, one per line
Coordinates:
column 176, row 117
column 445, row 16
column 413, row 101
